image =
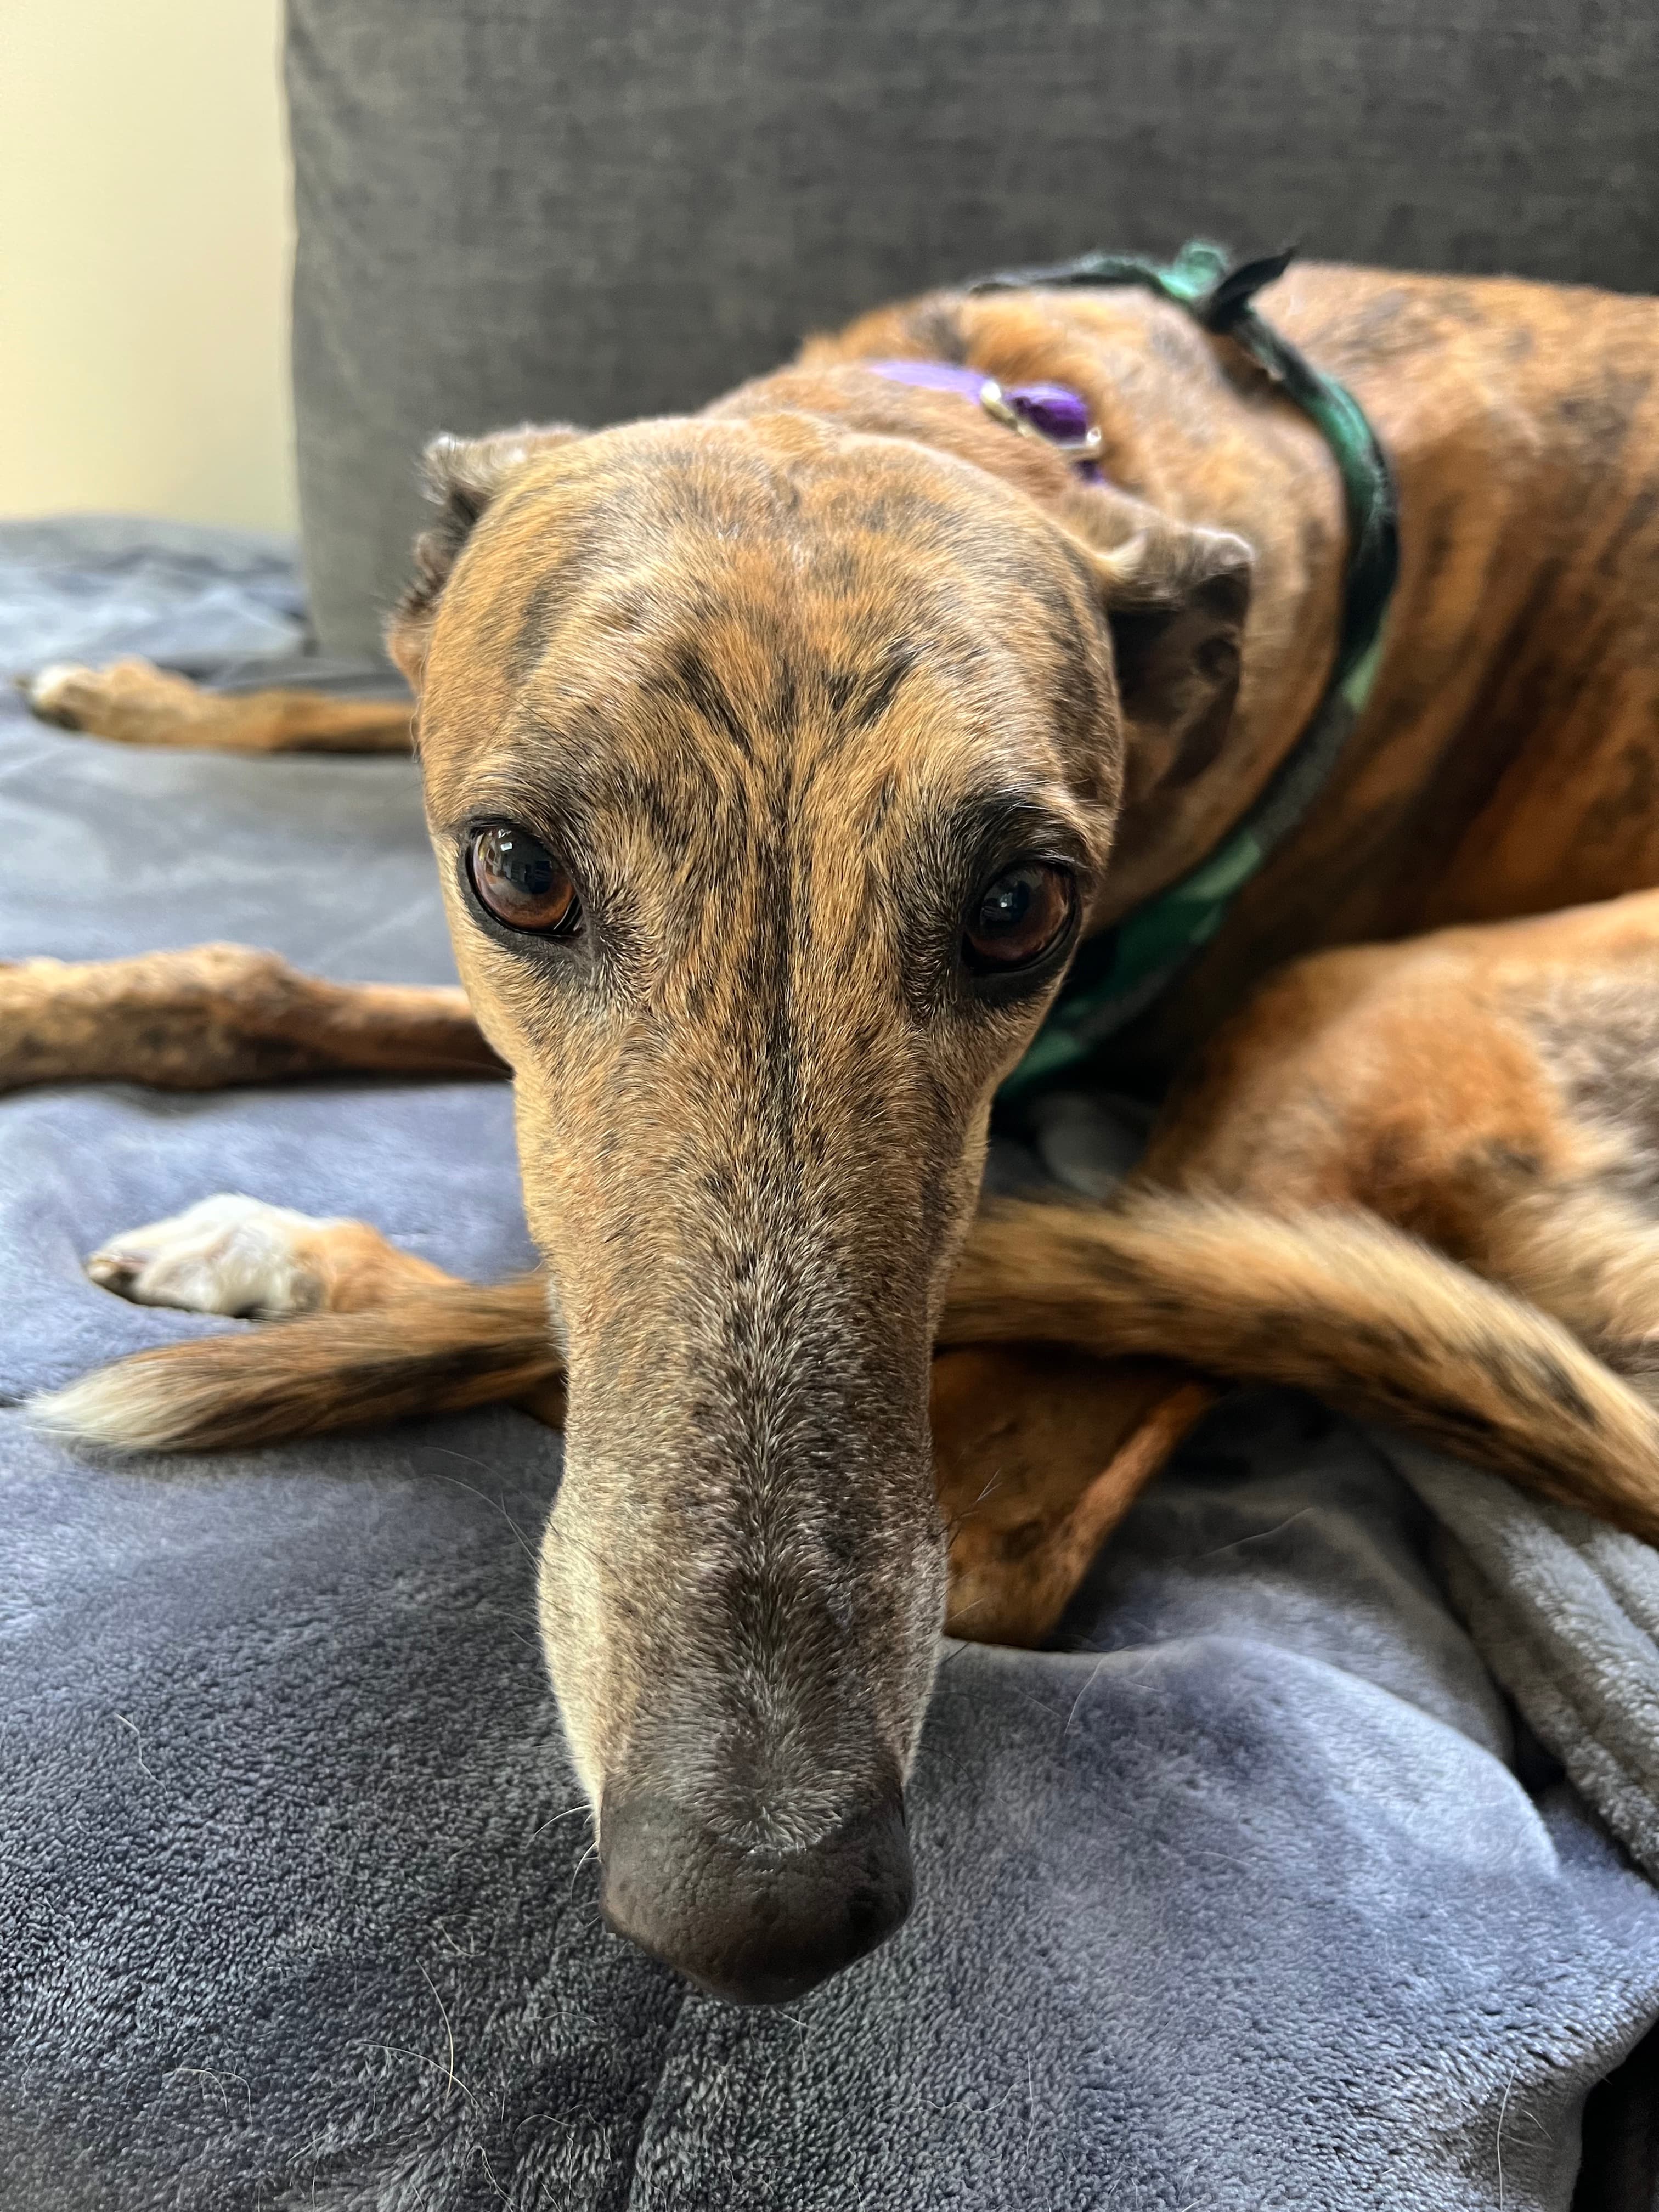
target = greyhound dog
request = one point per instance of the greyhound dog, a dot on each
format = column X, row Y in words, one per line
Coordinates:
column 778, row 763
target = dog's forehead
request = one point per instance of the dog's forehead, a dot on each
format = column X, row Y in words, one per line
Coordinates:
column 651, row 525
column 766, row 592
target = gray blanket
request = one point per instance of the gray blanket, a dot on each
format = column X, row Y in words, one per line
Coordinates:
column 1253, row 1895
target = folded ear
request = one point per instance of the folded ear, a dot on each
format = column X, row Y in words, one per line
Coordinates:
column 463, row 475
column 1176, row 598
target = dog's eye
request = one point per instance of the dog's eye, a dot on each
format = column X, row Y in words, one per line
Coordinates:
column 1017, row 917
column 520, row 882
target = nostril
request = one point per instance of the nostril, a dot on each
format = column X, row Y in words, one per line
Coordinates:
column 755, row 1925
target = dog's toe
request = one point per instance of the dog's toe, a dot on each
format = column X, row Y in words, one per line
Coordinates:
column 114, row 1270
column 226, row 1255
column 51, row 693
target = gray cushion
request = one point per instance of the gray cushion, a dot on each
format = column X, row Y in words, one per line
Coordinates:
column 543, row 208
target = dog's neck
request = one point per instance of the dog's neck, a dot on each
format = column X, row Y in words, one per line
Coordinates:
column 1229, row 456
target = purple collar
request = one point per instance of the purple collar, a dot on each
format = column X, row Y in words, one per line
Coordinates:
column 1051, row 412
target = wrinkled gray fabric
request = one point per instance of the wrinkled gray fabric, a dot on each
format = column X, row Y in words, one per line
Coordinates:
column 1565, row 1611
column 1238, row 1902
column 569, row 213
column 98, row 587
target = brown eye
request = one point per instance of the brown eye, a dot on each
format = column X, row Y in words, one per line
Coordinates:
column 1019, row 917
column 520, row 882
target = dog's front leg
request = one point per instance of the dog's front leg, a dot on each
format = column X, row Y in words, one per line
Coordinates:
column 213, row 1015
column 134, row 703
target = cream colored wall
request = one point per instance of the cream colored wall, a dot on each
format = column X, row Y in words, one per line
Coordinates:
column 145, row 256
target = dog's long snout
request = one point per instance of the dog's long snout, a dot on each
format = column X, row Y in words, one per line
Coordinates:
column 755, row 1924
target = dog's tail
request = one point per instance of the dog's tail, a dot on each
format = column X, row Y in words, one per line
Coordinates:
column 1336, row 1303
column 435, row 1351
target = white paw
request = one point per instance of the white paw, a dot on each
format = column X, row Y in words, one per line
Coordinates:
column 50, row 692
column 228, row 1254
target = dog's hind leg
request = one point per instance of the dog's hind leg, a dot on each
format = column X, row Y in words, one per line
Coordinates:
column 1493, row 1091
column 134, row 703
column 213, row 1015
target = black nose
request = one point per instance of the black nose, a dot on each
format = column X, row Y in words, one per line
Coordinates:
column 755, row 1925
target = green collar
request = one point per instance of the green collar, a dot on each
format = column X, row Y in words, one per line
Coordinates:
column 1120, row 972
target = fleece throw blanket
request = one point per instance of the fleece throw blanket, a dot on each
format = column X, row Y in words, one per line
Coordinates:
column 1254, row 1894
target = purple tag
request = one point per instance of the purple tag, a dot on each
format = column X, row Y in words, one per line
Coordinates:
column 1052, row 412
